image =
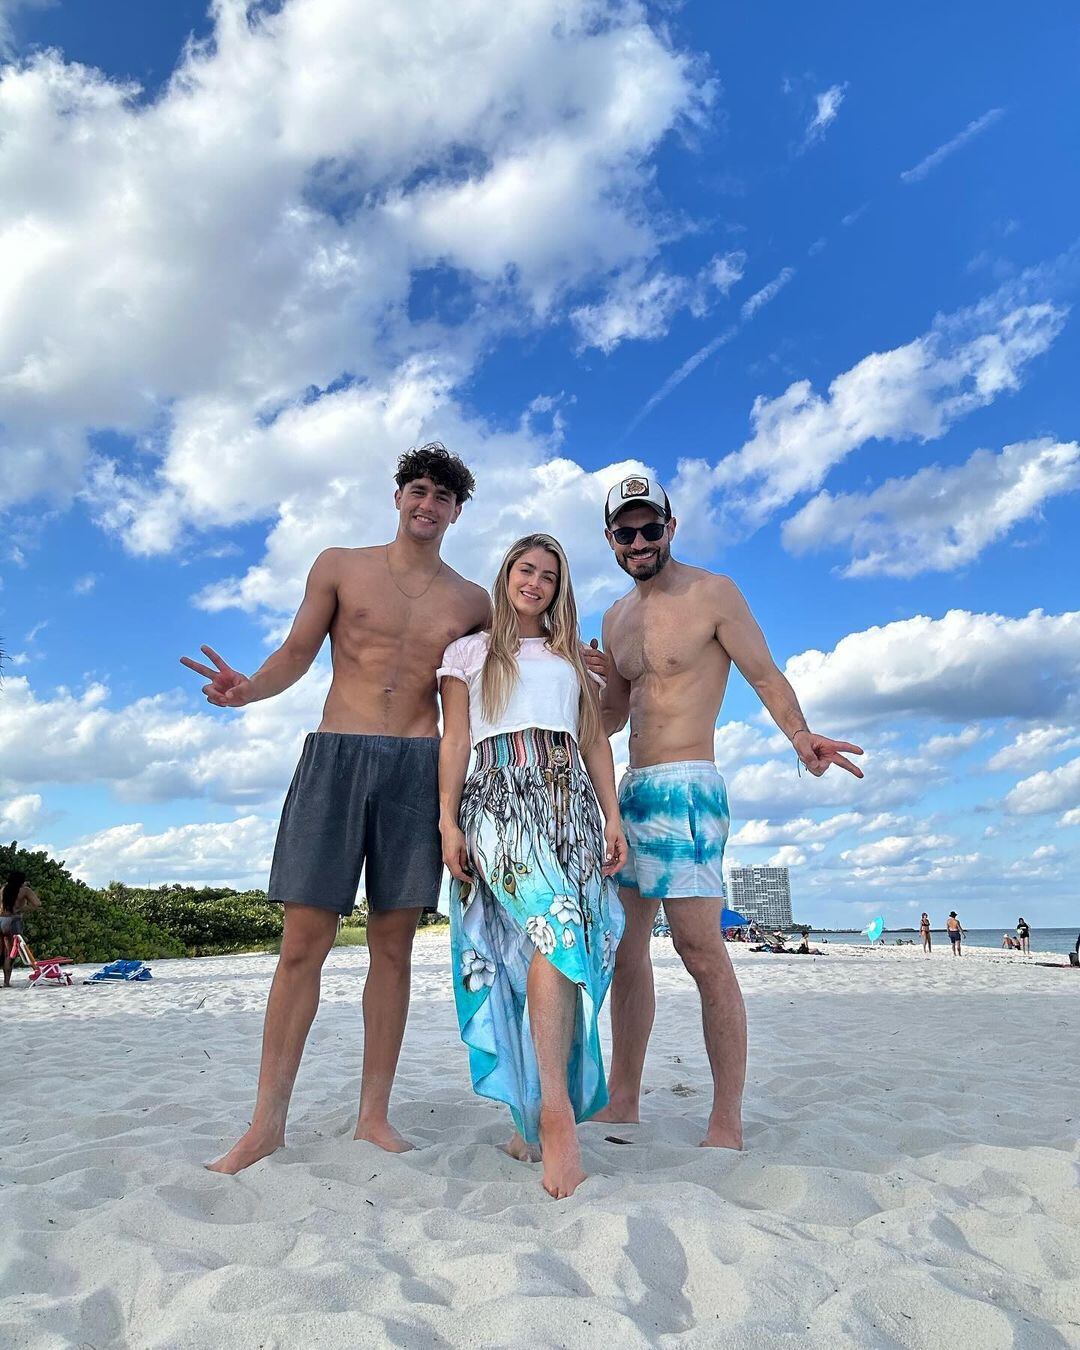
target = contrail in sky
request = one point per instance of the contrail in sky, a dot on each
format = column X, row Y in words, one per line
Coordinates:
column 749, row 309
column 934, row 158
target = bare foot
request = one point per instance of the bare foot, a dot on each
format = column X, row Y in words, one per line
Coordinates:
column 619, row 1113
column 563, row 1172
column 384, row 1135
column 520, row 1150
column 723, row 1134
column 248, row 1149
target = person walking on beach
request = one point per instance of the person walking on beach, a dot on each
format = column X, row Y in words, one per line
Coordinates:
column 671, row 643
column 1023, row 932
column 535, row 919
column 924, row 932
column 16, row 898
column 365, row 793
column 956, row 932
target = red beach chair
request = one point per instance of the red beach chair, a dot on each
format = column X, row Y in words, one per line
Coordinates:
column 49, row 972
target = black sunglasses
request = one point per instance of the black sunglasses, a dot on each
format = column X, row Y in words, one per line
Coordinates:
column 626, row 534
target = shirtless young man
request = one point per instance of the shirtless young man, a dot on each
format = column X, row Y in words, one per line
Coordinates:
column 671, row 643
column 366, row 788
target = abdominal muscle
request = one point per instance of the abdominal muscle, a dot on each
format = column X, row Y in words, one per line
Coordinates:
column 384, row 688
column 673, row 719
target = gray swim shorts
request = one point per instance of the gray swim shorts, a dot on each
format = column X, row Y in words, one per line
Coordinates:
column 361, row 802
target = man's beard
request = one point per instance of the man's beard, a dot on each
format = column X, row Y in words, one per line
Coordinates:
column 655, row 564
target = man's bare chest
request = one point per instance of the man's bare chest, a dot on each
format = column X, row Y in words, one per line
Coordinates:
column 371, row 611
column 661, row 642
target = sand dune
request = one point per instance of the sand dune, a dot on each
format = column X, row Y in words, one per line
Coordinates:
column 910, row 1176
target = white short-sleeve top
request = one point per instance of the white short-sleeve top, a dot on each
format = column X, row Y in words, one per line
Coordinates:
column 545, row 696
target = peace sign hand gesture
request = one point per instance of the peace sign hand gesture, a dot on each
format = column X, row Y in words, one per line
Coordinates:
column 819, row 752
column 227, row 687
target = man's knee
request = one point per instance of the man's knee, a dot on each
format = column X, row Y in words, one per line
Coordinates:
column 701, row 956
column 309, row 934
column 634, row 956
column 390, row 939
column 297, row 955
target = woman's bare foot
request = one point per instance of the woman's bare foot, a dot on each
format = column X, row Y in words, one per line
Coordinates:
column 563, row 1172
column 619, row 1112
column 724, row 1133
column 248, row 1149
column 383, row 1134
column 520, row 1150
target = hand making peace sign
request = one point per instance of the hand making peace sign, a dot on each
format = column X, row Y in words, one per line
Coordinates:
column 227, row 687
column 819, row 752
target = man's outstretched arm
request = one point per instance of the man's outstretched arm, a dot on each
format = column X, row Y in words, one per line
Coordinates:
column 228, row 688
column 738, row 633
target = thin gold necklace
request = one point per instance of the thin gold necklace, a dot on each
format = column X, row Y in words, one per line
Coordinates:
column 403, row 591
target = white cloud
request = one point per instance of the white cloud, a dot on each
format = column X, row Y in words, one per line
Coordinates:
column 261, row 231
column 788, row 856
column 725, row 269
column 951, row 745
column 800, row 830
column 886, row 820
column 1032, row 747
column 827, row 105
column 955, row 668
column 1048, row 790
column 643, row 307
column 941, row 517
column 894, row 850
column 20, row 814
column 634, row 309
column 916, row 391
column 1071, row 817
column 738, row 741
column 85, row 584
column 152, row 749
column 935, row 157
column 235, row 852
column 775, row 790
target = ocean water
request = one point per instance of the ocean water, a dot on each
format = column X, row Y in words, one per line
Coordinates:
column 1059, row 940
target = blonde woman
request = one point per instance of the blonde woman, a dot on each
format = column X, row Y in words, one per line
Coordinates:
column 535, row 918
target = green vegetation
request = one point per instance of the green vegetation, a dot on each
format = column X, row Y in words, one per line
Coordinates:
column 144, row 923
column 208, row 920
column 79, row 922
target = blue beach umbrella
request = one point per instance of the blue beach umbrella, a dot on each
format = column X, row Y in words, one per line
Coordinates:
column 875, row 928
column 730, row 919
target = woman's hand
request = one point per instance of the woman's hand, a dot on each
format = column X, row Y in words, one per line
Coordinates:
column 455, row 853
column 614, row 847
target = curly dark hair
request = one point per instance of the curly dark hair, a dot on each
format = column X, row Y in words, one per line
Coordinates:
column 434, row 461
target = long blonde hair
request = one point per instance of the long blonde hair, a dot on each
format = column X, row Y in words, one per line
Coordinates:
column 560, row 627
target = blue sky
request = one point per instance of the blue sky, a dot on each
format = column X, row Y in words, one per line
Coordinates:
column 815, row 272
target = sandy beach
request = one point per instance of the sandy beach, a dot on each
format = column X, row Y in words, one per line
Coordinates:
column 910, row 1175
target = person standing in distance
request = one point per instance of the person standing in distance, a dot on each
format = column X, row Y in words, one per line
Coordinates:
column 365, row 793
column 671, row 643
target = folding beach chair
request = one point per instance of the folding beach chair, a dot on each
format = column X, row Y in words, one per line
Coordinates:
column 49, row 972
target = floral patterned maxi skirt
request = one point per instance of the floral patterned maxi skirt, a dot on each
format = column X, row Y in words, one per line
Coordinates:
column 536, row 845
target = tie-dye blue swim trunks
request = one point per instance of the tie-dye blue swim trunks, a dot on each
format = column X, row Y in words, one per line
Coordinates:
column 676, row 821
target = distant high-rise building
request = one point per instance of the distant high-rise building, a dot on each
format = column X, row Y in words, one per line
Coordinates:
column 762, row 894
